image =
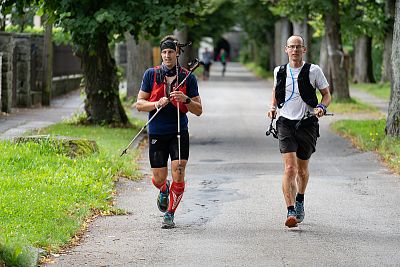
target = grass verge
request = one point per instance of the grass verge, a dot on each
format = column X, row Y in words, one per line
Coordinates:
column 369, row 135
column 381, row 90
column 352, row 106
column 258, row 71
column 46, row 196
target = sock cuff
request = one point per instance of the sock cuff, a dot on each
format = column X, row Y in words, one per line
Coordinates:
column 178, row 188
column 159, row 186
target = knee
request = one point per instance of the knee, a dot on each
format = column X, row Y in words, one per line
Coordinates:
column 159, row 178
column 291, row 170
column 302, row 172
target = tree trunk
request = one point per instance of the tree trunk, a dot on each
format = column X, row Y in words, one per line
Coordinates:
column 304, row 30
column 386, row 74
column 335, row 52
column 283, row 30
column 363, row 72
column 102, row 103
column 393, row 118
column 133, row 76
column 271, row 48
column 323, row 57
column 182, row 36
column 139, row 59
column 324, row 62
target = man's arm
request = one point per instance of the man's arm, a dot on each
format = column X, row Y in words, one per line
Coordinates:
column 325, row 101
column 195, row 106
column 272, row 109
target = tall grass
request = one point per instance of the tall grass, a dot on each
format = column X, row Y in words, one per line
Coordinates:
column 45, row 195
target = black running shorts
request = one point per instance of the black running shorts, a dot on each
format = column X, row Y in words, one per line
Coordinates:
column 300, row 138
column 161, row 147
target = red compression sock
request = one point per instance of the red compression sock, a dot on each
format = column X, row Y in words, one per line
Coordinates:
column 162, row 186
column 175, row 195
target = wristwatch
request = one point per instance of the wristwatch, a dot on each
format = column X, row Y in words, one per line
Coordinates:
column 188, row 100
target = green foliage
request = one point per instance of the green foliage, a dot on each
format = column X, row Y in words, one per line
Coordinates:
column 59, row 36
column 214, row 18
column 362, row 17
column 16, row 254
column 259, row 71
column 58, row 192
column 299, row 10
column 87, row 20
column 369, row 135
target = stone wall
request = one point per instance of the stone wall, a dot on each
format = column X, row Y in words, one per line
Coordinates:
column 7, row 49
column 22, row 72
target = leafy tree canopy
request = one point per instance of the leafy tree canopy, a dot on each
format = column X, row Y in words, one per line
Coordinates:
column 87, row 19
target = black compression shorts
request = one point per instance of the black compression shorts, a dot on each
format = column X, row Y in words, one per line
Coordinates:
column 161, row 147
column 302, row 140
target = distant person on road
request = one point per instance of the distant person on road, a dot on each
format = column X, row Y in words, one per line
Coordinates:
column 207, row 60
column 223, row 57
column 294, row 93
column 163, row 129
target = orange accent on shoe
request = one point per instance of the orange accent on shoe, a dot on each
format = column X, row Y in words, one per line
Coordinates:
column 291, row 221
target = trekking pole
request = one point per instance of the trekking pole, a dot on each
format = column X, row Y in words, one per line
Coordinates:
column 307, row 115
column 179, row 122
column 141, row 130
column 193, row 66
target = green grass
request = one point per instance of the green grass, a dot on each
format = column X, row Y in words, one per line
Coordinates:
column 45, row 196
column 351, row 106
column 369, row 135
column 381, row 90
column 259, row 71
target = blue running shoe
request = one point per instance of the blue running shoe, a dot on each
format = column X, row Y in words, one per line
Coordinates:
column 163, row 199
column 168, row 222
column 299, row 211
column 291, row 219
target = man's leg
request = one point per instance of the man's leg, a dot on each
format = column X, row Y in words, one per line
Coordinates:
column 302, row 175
column 175, row 193
column 178, row 184
column 160, row 181
column 302, row 181
column 158, row 155
column 289, row 187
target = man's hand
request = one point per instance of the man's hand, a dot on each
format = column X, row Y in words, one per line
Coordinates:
column 271, row 113
column 319, row 112
column 162, row 102
column 178, row 96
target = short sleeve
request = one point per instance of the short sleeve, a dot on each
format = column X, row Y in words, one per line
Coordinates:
column 147, row 81
column 320, row 79
column 192, row 88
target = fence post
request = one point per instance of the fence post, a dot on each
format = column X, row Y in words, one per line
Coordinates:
column 47, row 65
column 1, row 74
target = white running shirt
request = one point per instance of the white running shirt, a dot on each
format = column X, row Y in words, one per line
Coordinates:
column 295, row 108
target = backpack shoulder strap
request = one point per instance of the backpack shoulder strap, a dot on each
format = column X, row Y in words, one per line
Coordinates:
column 158, row 74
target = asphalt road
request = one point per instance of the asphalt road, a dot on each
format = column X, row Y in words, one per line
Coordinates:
column 233, row 211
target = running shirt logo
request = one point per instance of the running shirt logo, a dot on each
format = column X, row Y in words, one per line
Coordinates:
column 153, row 141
